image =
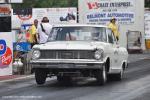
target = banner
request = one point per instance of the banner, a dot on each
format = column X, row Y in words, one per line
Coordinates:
column 5, row 18
column 5, row 40
column 55, row 16
column 22, row 46
column 103, row 18
column 6, row 54
column 101, row 11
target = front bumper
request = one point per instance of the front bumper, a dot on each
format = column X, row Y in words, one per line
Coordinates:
column 67, row 64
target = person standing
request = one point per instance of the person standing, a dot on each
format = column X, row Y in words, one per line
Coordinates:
column 33, row 38
column 44, row 30
column 113, row 26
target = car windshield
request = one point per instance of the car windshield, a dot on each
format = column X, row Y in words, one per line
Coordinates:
column 84, row 33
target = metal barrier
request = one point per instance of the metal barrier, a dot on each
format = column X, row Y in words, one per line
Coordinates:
column 26, row 65
column 134, row 41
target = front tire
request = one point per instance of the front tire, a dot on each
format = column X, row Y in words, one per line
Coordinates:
column 101, row 76
column 40, row 76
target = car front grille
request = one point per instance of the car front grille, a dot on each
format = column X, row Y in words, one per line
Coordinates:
column 67, row 54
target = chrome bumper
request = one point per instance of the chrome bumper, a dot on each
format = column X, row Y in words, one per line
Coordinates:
column 66, row 64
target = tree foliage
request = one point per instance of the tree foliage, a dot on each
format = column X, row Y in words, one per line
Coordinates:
column 147, row 3
column 46, row 3
column 54, row 3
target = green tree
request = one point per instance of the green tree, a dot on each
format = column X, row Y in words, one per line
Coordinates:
column 46, row 3
column 147, row 3
column 54, row 3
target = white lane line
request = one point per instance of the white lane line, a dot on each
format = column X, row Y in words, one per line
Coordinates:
column 19, row 78
column 135, row 60
column 142, row 85
column 147, row 58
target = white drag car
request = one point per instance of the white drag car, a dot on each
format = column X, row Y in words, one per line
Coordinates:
column 79, row 50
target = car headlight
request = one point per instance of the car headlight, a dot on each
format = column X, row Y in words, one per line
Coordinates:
column 98, row 54
column 36, row 54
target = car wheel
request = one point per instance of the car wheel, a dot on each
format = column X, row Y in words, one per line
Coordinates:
column 101, row 76
column 119, row 76
column 40, row 76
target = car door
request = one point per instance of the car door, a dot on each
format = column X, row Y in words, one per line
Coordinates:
column 113, row 50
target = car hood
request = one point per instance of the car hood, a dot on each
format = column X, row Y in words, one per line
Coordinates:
column 70, row 45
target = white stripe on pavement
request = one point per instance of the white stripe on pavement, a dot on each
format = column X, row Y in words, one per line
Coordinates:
column 19, row 78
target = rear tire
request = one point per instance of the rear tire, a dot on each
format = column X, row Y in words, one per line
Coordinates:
column 101, row 76
column 40, row 76
column 119, row 76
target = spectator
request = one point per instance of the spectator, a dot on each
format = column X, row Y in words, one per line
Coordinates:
column 33, row 33
column 44, row 30
column 113, row 26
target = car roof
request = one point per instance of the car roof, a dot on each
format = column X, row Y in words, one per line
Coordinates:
column 75, row 25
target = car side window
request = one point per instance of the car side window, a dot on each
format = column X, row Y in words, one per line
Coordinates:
column 104, row 36
column 111, row 38
column 100, row 34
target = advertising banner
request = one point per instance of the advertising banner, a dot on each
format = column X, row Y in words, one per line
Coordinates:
column 5, row 18
column 63, row 15
column 129, row 15
column 20, row 17
column 55, row 15
column 101, row 11
column 6, row 54
column 22, row 46
column 147, row 24
column 6, row 49
column 5, row 10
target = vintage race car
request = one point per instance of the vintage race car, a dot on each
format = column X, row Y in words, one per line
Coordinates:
column 79, row 50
